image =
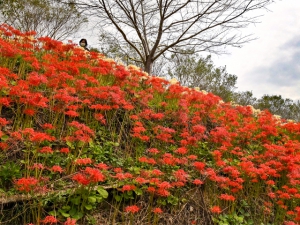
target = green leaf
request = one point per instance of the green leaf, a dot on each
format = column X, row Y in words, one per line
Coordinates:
column 64, row 214
column 70, row 144
column 78, row 216
column 73, row 212
column 138, row 191
column 88, row 207
column 52, row 213
column 76, row 200
column 92, row 199
column 99, row 198
column 66, row 208
column 91, row 144
column 118, row 198
column 102, row 192
column 4, row 138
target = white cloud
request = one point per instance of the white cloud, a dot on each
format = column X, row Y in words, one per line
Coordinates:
column 269, row 65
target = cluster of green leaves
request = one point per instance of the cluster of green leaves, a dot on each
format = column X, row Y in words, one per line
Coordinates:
column 50, row 18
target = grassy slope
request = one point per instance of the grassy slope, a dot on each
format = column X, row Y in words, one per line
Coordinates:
column 99, row 137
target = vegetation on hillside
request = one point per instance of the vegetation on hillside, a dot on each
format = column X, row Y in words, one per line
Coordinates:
column 85, row 140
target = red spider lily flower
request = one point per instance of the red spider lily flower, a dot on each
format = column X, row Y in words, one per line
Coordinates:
column 292, row 191
column 48, row 126
column 70, row 221
column 192, row 157
column 199, row 129
column 152, row 161
column 199, row 166
column 128, row 175
column 39, row 137
column 181, row 175
column 5, row 101
column 153, row 151
column 3, row 122
column 272, row 195
column 83, row 161
column 49, row 220
column 3, row 146
column 141, row 180
column 100, row 117
column 128, row 107
column 134, row 117
column 80, row 178
column 164, row 185
column 138, row 129
column 143, row 159
column 26, row 184
column 155, row 181
column 151, row 189
column 128, row 187
column 178, row 184
column 181, row 151
column 157, row 210
column 157, row 116
column 290, row 212
column 168, row 159
column 84, row 128
column 162, row 192
column 72, row 113
column 102, row 166
column 56, row 168
column 122, row 176
column 101, row 107
column 198, row 182
column 227, row 197
column 132, row 209
column 36, row 79
column 290, row 223
column 219, row 135
column 284, row 195
column 216, row 209
column 64, row 150
column 38, row 166
column 118, row 170
column 144, row 138
column 157, row 172
column 95, row 175
column 46, row 150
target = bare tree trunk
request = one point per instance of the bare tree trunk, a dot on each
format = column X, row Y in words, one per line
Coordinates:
column 148, row 65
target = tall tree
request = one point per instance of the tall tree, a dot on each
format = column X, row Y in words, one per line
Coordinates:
column 46, row 17
column 154, row 27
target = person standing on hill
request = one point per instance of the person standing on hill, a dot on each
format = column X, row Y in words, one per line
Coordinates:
column 83, row 43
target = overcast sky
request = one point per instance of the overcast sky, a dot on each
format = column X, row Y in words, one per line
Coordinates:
column 271, row 64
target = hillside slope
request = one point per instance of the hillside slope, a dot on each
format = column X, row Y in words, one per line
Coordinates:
column 86, row 139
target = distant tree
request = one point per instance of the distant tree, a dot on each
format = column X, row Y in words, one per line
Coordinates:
column 46, row 17
column 277, row 105
column 154, row 28
column 294, row 111
column 244, row 98
column 193, row 71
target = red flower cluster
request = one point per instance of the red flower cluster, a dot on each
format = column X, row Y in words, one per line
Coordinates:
column 65, row 103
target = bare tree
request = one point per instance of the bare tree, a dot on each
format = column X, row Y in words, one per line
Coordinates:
column 46, row 17
column 154, row 27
